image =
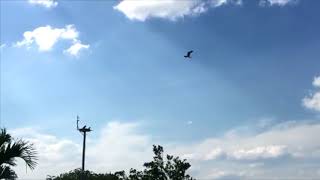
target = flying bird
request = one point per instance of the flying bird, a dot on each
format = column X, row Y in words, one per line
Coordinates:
column 188, row 54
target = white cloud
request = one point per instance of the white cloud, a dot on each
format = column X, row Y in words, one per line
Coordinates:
column 45, row 3
column 313, row 101
column 118, row 146
column 142, row 10
column 287, row 144
column 223, row 175
column 125, row 147
column 285, row 139
column 189, row 122
column 213, row 154
column 2, row 46
column 121, row 146
column 260, row 152
column 51, row 150
column 276, row 2
column 46, row 37
column 75, row 48
column 316, row 82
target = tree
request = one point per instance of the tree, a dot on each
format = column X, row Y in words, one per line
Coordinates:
column 75, row 175
column 10, row 150
column 173, row 168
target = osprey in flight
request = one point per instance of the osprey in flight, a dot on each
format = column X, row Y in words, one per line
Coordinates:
column 188, row 54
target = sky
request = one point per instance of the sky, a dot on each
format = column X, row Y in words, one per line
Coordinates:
column 245, row 106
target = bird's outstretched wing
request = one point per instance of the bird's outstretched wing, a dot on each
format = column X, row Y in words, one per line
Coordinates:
column 188, row 54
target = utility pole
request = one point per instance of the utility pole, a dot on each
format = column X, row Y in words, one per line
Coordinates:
column 83, row 131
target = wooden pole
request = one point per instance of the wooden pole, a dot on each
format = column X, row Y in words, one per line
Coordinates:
column 83, row 131
column 83, row 154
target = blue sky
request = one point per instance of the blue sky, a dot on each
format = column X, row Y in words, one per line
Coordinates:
column 119, row 65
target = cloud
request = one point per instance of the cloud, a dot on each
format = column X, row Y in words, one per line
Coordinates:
column 142, row 10
column 76, row 48
column 260, row 152
column 276, row 2
column 45, row 3
column 273, row 143
column 46, row 37
column 120, row 146
column 313, row 101
column 2, row 46
column 316, row 82
column 189, row 122
column 51, row 150
column 224, row 175
column 213, row 154
column 125, row 147
column 277, row 150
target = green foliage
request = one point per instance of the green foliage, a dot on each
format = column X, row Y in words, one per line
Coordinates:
column 10, row 150
column 169, row 168
column 75, row 175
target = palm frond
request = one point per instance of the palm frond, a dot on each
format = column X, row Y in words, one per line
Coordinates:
column 7, row 173
column 19, row 149
column 4, row 137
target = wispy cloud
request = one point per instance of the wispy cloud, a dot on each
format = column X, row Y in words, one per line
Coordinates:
column 277, row 2
column 313, row 101
column 259, row 152
column 46, row 37
column 316, row 82
column 142, row 10
column 44, row 3
column 122, row 146
column 52, row 150
column 76, row 48
column 125, row 144
column 273, row 153
column 118, row 146
column 2, row 46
